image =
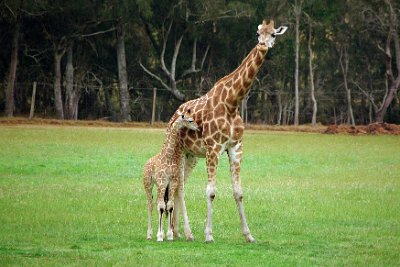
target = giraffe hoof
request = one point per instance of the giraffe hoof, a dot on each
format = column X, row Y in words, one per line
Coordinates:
column 170, row 237
column 177, row 235
column 250, row 239
column 160, row 238
column 190, row 238
column 209, row 239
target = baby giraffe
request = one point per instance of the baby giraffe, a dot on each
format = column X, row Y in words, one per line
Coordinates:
column 166, row 171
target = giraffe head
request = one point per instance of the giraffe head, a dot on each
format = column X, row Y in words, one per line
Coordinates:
column 267, row 33
column 185, row 120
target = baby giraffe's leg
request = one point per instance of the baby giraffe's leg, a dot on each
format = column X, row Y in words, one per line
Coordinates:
column 161, row 210
column 149, row 211
column 170, row 208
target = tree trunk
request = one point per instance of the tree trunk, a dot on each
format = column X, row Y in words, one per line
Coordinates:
column 122, row 75
column 394, row 81
column 314, row 101
column 13, row 71
column 284, row 113
column 345, row 68
column 57, row 84
column 380, row 114
column 297, row 11
column 279, row 119
column 69, row 88
column 33, row 100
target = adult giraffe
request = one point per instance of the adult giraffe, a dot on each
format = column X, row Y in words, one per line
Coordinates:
column 221, row 129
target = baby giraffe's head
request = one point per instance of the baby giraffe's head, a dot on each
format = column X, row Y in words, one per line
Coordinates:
column 186, row 120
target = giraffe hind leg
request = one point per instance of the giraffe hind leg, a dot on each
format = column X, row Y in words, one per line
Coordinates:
column 235, row 158
column 149, row 213
column 148, row 186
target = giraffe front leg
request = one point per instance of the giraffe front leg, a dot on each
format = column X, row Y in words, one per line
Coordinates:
column 212, row 164
column 161, row 209
column 235, row 159
column 170, row 207
column 186, row 226
column 190, row 163
column 175, row 217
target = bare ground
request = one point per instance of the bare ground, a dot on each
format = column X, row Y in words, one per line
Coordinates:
column 371, row 129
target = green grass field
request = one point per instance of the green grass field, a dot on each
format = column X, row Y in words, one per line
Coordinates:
column 74, row 196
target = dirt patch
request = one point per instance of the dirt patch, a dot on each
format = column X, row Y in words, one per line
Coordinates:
column 372, row 129
column 98, row 123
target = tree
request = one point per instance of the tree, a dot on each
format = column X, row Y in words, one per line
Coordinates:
column 122, row 73
column 344, row 67
column 71, row 91
column 394, row 81
column 310, row 64
column 17, row 20
column 186, row 20
column 382, row 24
column 59, row 51
column 297, row 13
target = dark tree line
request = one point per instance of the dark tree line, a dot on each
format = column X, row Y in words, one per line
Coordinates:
column 339, row 62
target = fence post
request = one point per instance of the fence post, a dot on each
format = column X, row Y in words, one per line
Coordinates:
column 33, row 101
column 153, row 111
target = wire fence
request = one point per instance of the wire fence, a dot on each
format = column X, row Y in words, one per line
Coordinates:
column 158, row 104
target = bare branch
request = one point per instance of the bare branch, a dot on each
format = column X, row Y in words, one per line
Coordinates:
column 9, row 9
column 175, row 56
column 150, row 35
column 155, row 77
column 192, row 68
column 368, row 95
column 96, row 33
column 389, row 71
column 163, row 66
column 39, row 13
column 204, row 57
column 397, row 51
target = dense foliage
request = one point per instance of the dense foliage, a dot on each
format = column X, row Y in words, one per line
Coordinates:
column 183, row 47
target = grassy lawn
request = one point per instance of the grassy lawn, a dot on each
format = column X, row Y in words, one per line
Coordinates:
column 74, row 196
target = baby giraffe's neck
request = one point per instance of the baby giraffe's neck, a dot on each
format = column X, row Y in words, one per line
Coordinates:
column 172, row 145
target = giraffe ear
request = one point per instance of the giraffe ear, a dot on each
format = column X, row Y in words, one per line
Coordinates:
column 281, row 30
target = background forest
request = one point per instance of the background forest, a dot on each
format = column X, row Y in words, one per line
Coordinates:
column 339, row 61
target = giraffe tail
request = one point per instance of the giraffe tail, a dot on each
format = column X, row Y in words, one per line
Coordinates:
column 166, row 194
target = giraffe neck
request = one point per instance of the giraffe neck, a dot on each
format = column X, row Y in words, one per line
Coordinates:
column 234, row 87
column 172, row 144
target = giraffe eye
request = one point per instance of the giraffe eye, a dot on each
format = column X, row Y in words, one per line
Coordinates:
column 273, row 35
column 182, row 116
column 189, row 111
